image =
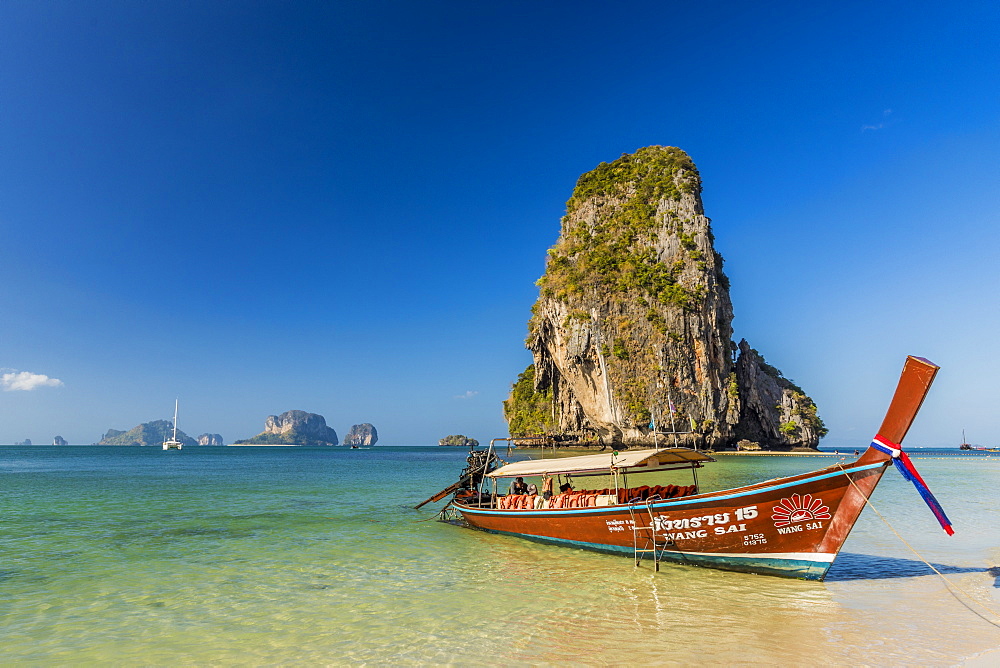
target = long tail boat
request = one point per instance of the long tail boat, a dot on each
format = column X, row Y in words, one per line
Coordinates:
column 793, row 526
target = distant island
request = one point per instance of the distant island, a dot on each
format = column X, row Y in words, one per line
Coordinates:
column 293, row 428
column 59, row 440
column 459, row 440
column 362, row 434
column 148, row 433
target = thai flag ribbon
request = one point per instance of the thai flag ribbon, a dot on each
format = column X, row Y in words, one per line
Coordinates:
column 903, row 464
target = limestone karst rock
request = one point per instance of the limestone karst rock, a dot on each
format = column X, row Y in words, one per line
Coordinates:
column 633, row 324
column 361, row 434
column 59, row 440
column 459, row 440
column 211, row 439
column 773, row 409
column 294, row 428
column 148, row 433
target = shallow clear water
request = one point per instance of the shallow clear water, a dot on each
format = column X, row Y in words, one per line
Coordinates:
column 280, row 555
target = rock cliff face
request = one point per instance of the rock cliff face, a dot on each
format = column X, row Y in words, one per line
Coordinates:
column 59, row 440
column 361, row 434
column 773, row 410
column 147, row 433
column 302, row 423
column 294, row 428
column 633, row 324
column 210, row 439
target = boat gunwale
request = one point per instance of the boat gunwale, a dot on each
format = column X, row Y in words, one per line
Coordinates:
column 721, row 495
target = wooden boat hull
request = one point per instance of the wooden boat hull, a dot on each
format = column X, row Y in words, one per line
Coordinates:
column 792, row 526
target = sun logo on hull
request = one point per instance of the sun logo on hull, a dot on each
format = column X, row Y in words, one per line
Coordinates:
column 796, row 508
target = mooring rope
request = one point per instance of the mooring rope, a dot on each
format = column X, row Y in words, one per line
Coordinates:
column 951, row 586
column 436, row 515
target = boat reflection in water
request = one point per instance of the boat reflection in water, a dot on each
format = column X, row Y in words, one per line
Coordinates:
column 792, row 526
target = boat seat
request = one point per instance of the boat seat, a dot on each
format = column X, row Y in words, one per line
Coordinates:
column 518, row 502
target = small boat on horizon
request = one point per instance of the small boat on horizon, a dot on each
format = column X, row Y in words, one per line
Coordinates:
column 793, row 526
column 965, row 445
column 172, row 443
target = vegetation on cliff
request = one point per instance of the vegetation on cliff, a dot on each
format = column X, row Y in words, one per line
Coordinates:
column 527, row 410
column 604, row 254
column 809, row 415
column 800, row 413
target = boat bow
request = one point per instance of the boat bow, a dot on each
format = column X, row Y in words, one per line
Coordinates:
column 914, row 383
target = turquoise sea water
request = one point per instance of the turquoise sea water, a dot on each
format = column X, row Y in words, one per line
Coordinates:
column 315, row 555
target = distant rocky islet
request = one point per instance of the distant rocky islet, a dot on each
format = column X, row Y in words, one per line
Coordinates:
column 294, row 427
column 146, row 434
column 459, row 440
column 362, row 434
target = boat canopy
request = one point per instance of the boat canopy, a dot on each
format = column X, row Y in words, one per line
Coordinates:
column 631, row 461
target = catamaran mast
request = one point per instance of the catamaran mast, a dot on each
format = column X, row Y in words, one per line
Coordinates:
column 175, row 419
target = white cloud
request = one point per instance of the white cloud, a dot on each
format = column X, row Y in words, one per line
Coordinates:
column 25, row 380
column 885, row 115
column 468, row 394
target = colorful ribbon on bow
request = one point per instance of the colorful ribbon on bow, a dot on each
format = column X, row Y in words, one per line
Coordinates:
column 903, row 464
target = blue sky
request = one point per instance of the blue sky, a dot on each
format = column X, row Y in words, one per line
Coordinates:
column 343, row 207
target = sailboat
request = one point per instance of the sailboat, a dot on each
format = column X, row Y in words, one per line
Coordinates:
column 965, row 444
column 173, row 443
